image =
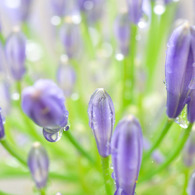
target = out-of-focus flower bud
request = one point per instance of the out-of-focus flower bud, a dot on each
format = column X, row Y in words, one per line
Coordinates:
column 2, row 131
column 71, row 39
column 179, row 69
column 44, row 104
column 15, row 54
column 38, row 163
column 191, row 186
column 66, row 78
column 189, row 150
column 127, row 146
column 58, row 7
column 135, row 10
column 156, row 155
column 101, row 119
column 24, row 9
column 122, row 33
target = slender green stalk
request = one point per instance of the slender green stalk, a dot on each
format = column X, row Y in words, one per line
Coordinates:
column 172, row 157
column 11, row 151
column 87, row 37
column 160, row 138
column 76, row 144
column 186, row 180
column 42, row 192
column 106, row 175
column 4, row 193
column 129, row 70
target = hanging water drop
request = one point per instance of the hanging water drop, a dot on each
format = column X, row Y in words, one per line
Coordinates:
column 53, row 135
column 181, row 120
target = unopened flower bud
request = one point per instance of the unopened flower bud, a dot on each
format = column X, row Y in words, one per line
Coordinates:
column 15, row 54
column 122, row 33
column 135, row 10
column 127, row 146
column 191, row 186
column 71, row 39
column 101, row 119
column 38, row 163
column 44, row 104
column 2, row 131
column 179, row 69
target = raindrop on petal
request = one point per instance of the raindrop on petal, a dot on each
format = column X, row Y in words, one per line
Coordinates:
column 52, row 135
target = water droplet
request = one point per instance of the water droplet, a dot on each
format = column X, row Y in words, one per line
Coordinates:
column 181, row 120
column 159, row 8
column 67, row 128
column 55, row 20
column 15, row 96
column 113, row 175
column 119, row 56
column 143, row 22
column 53, row 135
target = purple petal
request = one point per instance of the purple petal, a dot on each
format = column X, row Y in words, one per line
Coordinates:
column 101, row 119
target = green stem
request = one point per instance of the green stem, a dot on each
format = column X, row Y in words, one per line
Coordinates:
column 129, row 70
column 160, row 138
column 172, row 157
column 186, row 179
column 11, row 151
column 42, row 192
column 106, row 175
column 87, row 37
column 76, row 144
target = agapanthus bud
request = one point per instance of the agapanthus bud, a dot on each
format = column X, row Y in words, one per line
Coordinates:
column 15, row 54
column 101, row 119
column 178, row 69
column 135, row 10
column 127, row 146
column 58, row 7
column 2, row 132
column 189, row 151
column 157, row 156
column 94, row 10
column 38, row 163
column 24, row 9
column 122, row 32
column 44, row 104
column 191, row 186
column 71, row 39
column 66, row 78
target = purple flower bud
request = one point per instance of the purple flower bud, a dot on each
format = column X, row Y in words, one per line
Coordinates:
column 15, row 54
column 2, row 131
column 135, row 10
column 191, row 186
column 2, row 69
column 94, row 10
column 127, row 146
column 122, row 33
column 178, row 69
column 66, row 78
column 71, row 39
column 24, row 9
column 38, row 163
column 156, row 155
column 44, row 104
column 58, row 7
column 189, row 151
column 101, row 119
